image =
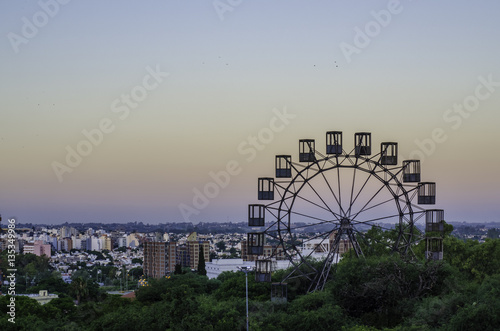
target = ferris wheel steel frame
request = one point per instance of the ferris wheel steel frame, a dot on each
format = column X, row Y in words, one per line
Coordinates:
column 401, row 183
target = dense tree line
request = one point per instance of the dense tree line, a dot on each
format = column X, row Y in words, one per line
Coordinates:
column 380, row 291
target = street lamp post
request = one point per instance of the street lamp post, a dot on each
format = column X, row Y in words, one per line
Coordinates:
column 246, row 270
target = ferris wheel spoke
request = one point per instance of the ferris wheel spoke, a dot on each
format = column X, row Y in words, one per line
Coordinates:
column 312, row 203
column 352, row 188
column 272, row 211
column 398, row 197
column 272, row 208
column 341, row 210
column 364, row 208
column 374, row 206
column 375, row 219
column 308, row 225
column 322, row 220
column 326, row 207
column 359, row 192
column 337, row 199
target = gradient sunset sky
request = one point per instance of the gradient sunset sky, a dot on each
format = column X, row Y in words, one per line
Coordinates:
column 223, row 71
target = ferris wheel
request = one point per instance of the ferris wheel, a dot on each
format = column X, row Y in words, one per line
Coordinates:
column 322, row 206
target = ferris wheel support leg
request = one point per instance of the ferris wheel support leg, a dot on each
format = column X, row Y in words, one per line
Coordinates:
column 355, row 244
column 319, row 281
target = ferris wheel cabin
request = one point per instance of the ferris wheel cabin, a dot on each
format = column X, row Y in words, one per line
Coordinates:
column 411, row 171
column 389, row 153
column 307, row 150
column 362, row 143
column 434, row 220
column 279, row 292
column 334, row 142
column 264, row 269
column 266, row 188
column 427, row 193
column 283, row 166
column 256, row 215
column 255, row 242
column 434, row 248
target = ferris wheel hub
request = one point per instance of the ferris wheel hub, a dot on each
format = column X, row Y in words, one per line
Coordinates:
column 345, row 224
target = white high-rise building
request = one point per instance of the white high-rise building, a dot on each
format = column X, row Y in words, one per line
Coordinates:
column 77, row 242
column 96, row 244
column 122, row 241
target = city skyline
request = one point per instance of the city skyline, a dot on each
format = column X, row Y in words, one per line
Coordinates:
column 125, row 111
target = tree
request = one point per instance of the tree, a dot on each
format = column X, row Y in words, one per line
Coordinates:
column 376, row 242
column 136, row 272
column 201, row 263
column 313, row 309
column 65, row 306
column 381, row 291
column 482, row 311
column 493, row 233
column 178, row 269
column 233, row 253
column 80, row 288
column 478, row 260
column 53, row 284
column 221, row 246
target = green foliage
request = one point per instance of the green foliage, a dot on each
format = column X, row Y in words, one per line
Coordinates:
column 380, row 291
column 178, row 269
column 121, row 249
column 221, row 246
column 158, row 289
column 493, row 233
column 136, row 272
column 315, row 308
column 376, row 242
column 31, row 271
column 477, row 260
column 80, row 289
column 202, row 271
column 221, row 315
column 30, row 315
column 298, row 285
column 482, row 311
column 234, row 253
column 233, row 286
column 99, row 255
column 53, row 284
column 85, row 289
column 64, row 307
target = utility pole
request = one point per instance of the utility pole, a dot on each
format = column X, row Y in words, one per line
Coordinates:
column 246, row 270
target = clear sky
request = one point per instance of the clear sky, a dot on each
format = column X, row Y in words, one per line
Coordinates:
column 170, row 91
